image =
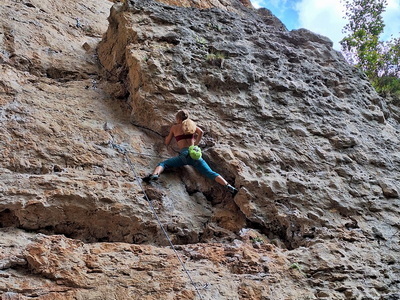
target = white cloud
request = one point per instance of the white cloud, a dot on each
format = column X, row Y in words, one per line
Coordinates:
column 326, row 18
column 323, row 17
column 275, row 5
column 391, row 17
column 258, row 3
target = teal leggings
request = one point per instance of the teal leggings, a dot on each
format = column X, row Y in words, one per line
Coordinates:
column 184, row 159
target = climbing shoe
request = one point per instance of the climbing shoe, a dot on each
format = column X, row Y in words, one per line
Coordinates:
column 150, row 177
column 231, row 189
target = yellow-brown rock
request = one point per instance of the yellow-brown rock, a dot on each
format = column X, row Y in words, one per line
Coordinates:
column 88, row 90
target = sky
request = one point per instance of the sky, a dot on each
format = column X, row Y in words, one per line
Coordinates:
column 325, row 16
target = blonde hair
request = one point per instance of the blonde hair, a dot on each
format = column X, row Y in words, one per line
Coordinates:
column 188, row 126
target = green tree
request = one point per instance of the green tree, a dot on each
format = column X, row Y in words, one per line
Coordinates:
column 362, row 45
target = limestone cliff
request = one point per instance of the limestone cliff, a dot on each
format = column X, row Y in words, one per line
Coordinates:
column 84, row 105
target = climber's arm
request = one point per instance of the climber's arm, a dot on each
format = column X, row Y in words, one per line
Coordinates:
column 169, row 136
column 199, row 135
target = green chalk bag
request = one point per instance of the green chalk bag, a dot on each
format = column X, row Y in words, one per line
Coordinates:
column 195, row 152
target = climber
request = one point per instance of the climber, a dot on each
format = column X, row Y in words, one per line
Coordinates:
column 187, row 136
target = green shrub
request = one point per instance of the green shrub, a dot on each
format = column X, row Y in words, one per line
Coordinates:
column 387, row 85
column 215, row 56
column 257, row 239
column 201, row 41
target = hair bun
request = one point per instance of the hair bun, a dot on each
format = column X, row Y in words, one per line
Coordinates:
column 182, row 114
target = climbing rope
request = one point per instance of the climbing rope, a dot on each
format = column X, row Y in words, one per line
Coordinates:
column 147, row 128
column 132, row 167
column 122, row 149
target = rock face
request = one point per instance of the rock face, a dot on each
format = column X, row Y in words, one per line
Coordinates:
column 313, row 150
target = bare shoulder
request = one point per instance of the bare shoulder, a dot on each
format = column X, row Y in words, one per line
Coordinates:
column 174, row 129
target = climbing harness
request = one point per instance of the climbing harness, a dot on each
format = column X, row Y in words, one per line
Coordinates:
column 125, row 152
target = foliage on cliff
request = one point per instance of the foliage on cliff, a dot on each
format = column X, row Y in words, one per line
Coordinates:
column 363, row 46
